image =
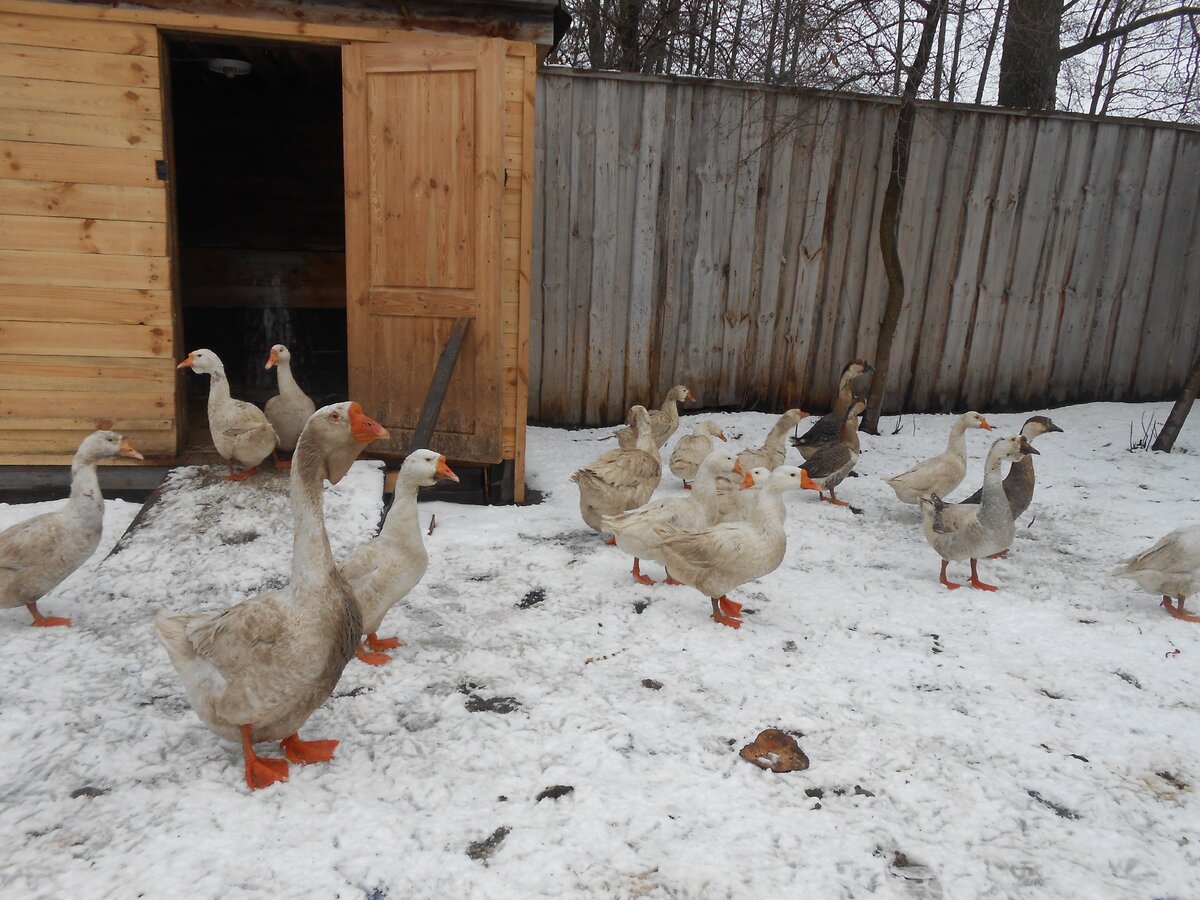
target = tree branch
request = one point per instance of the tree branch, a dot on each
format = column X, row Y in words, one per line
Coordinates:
column 1105, row 36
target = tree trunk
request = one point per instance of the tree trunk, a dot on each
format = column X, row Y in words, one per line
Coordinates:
column 889, row 216
column 991, row 47
column 1179, row 412
column 1031, row 54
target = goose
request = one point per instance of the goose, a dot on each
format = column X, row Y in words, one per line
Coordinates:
column 240, row 431
column 943, row 473
column 635, row 531
column 1170, row 568
column 691, row 449
column 969, row 532
column 288, row 410
column 38, row 554
column 851, row 384
column 774, row 449
column 620, row 479
column 1019, row 482
column 832, row 462
column 664, row 421
column 722, row 557
column 738, row 505
column 384, row 570
column 258, row 670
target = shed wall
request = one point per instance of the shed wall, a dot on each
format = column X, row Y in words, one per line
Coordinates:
column 85, row 301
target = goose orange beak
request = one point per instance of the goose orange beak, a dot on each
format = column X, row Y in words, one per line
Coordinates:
column 128, row 450
column 721, row 435
column 444, row 470
column 748, row 481
column 187, row 363
column 363, row 427
column 983, row 423
column 737, row 467
column 272, row 359
column 690, row 396
column 807, row 483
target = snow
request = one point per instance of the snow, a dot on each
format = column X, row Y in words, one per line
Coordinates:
column 1030, row 742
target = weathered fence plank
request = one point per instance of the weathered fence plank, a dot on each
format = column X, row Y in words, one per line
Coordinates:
column 727, row 238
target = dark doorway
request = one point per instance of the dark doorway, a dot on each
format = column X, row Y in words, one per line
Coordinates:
column 257, row 165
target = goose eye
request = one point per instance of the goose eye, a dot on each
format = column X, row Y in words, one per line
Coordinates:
column 335, row 417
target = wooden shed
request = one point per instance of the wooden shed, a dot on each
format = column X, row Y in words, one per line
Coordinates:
column 350, row 179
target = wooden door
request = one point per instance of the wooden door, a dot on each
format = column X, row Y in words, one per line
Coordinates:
column 424, row 163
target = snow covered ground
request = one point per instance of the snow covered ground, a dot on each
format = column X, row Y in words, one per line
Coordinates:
column 1040, row 741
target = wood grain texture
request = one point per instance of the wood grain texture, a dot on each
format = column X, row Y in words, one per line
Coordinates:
column 1041, row 252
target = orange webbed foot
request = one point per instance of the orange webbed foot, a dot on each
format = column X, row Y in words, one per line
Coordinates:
column 982, row 586
column 726, row 620
column 304, row 752
column 834, row 500
column 612, row 541
column 371, row 659
column 51, row 622
column 375, row 642
column 1180, row 613
column 242, row 475
column 731, row 609
column 1003, row 554
column 283, row 464
column 672, row 581
column 637, row 573
column 262, row 772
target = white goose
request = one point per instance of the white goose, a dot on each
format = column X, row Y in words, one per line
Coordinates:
column 240, row 431
column 258, row 670
column 1170, row 568
column 384, row 570
column 774, row 449
column 636, row 531
column 38, row 554
column 288, row 410
column 722, row 557
column 620, row 479
column 958, row 531
column 942, row 473
column 691, row 449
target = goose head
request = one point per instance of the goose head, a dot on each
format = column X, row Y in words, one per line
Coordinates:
column 425, row 467
column 855, row 370
column 1014, row 448
column 795, row 416
column 638, row 419
column 279, row 353
column 1035, row 426
column 106, row 445
column 711, row 428
column 756, row 477
column 787, row 478
column 722, row 462
column 679, row 394
column 338, row 433
column 203, row 361
column 973, row 419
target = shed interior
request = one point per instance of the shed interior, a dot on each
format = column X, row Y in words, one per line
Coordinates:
column 257, row 171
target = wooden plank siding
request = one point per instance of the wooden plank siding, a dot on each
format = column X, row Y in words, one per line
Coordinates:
column 725, row 237
column 86, row 333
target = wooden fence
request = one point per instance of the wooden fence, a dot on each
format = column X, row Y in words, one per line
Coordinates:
column 725, row 237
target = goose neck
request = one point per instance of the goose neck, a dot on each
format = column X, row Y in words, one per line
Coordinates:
column 312, row 559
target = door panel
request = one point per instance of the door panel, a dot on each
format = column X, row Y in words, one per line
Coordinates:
column 424, row 176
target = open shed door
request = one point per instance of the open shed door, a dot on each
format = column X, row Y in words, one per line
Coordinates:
column 424, row 161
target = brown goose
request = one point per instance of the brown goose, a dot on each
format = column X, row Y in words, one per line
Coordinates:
column 851, row 384
column 829, row 466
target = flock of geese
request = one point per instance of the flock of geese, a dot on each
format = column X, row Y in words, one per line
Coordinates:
column 718, row 538
column 256, row 671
